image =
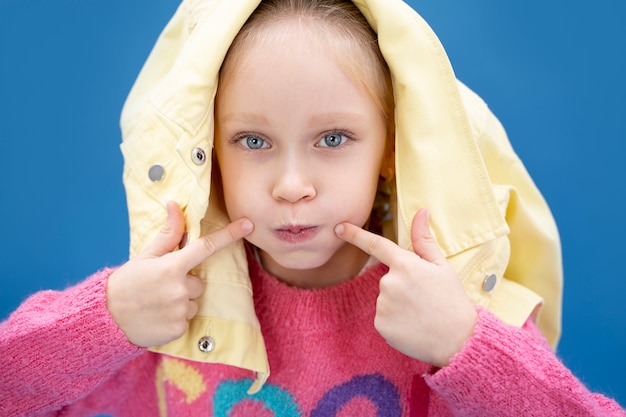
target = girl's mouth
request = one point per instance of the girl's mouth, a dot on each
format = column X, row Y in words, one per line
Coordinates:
column 296, row 233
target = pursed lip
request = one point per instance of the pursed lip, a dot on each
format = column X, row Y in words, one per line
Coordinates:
column 295, row 233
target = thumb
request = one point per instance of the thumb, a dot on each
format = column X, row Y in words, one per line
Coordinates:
column 422, row 239
column 170, row 235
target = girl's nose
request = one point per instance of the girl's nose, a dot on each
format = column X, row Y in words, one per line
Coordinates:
column 293, row 183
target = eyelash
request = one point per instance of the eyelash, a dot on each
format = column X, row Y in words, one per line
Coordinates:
column 348, row 135
column 237, row 139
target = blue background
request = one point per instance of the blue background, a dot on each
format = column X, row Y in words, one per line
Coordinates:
column 551, row 70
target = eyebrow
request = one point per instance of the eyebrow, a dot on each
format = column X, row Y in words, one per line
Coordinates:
column 336, row 117
column 244, row 117
column 333, row 117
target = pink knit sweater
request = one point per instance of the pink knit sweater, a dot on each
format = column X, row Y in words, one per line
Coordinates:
column 64, row 356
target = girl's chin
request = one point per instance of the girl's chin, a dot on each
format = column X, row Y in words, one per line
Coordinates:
column 296, row 257
column 293, row 261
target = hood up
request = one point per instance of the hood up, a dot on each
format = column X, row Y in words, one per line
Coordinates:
column 451, row 156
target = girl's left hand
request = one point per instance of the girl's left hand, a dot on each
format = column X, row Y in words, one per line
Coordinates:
column 422, row 309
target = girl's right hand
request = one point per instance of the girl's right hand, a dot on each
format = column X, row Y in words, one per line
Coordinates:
column 152, row 296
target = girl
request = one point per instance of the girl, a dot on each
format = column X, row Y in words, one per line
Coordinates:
column 338, row 127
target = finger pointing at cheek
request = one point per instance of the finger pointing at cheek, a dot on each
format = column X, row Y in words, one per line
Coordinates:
column 377, row 246
column 197, row 251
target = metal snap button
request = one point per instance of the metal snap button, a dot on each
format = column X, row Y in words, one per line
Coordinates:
column 206, row 344
column 198, row 156
column 489, row 282
column 156, row 173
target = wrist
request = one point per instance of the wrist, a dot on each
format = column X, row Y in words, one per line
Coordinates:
column 464, row 330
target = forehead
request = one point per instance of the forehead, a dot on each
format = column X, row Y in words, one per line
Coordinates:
column 296, row 34
column 288, row 49
column 291, row 74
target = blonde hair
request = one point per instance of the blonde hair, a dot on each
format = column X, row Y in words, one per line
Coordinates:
column 339, row 26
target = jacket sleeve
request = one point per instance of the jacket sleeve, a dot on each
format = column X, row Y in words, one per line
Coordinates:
column 505, row 370
column 58, row 346
column 535, row 255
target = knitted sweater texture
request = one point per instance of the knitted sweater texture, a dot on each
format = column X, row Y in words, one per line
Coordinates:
column 63, row 355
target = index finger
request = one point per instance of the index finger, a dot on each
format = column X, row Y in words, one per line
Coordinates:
column 375, row 245
column 200, row 249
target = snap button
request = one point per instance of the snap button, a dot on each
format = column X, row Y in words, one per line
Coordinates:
column 156, row 173
column 489, row 282
column 206, row 344
column 198, row 156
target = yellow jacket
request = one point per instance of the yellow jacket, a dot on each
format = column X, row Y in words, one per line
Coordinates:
column 452, row 156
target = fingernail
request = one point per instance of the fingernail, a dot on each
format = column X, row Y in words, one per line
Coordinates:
column 427, row 222
column 339, row 229
column 247, row 226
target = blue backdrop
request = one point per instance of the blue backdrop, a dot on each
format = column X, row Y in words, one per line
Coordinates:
column 553, row 72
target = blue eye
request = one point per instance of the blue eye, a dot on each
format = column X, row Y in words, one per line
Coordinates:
column 332, row 140
column 254, row 142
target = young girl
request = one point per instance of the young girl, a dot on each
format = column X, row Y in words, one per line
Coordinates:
column 398, row 260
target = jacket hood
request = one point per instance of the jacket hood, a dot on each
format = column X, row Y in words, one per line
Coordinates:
column 448, row 150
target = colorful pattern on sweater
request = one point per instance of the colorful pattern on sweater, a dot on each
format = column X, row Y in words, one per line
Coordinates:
column 182, row 385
